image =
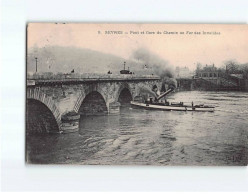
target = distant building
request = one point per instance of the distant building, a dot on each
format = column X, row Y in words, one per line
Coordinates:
column 183, row 72
column 209, row 71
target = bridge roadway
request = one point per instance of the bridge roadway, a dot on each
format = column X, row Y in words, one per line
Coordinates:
column 78, row 80
column 69, row 98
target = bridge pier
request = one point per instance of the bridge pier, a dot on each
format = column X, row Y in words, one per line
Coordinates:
column 114, row 107
column 70, row 122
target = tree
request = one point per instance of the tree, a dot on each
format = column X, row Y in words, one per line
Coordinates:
column 232, row 67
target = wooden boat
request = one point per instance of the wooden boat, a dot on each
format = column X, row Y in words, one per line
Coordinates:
column 171, row 107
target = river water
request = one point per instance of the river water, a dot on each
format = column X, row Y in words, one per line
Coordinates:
column 145, row 137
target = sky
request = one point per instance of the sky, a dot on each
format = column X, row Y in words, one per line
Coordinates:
column 226, row 42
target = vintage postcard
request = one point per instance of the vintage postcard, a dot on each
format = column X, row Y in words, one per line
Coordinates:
column 137, row 94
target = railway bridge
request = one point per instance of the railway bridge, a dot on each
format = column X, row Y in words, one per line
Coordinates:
column 56, row 105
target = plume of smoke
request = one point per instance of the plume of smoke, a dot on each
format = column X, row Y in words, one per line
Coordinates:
column 157, row 65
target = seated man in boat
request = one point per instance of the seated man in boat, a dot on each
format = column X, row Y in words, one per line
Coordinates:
column 151, row 101
column 166, row 103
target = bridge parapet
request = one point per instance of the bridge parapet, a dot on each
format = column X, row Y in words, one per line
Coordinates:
column 41, row 79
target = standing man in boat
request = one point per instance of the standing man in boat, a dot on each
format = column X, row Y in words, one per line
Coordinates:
column 156, row 91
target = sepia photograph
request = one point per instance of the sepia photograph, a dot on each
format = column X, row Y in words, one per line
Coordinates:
column 124, row 96
column 136, row 94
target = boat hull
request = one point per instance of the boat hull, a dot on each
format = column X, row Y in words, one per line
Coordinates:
column 172, row 108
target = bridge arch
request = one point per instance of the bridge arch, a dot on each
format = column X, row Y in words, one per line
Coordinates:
column 91, row 102
column 42, row 111
column 124, row 94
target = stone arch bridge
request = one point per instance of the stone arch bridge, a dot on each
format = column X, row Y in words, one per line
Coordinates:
column 48, row 101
